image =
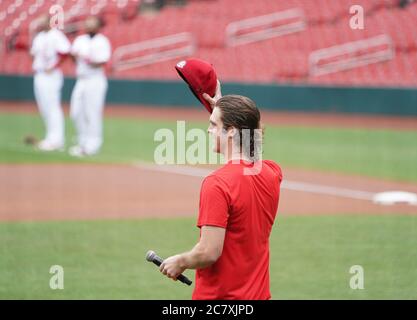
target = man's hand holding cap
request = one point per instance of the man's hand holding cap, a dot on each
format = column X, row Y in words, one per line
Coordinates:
column 202, row 80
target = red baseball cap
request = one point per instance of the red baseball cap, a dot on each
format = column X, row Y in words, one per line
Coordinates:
column 200, row 77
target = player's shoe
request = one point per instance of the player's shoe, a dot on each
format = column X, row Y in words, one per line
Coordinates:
column 45, row 145
column 77, row 151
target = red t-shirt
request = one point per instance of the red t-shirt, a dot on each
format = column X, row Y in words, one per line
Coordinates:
column 246, row 206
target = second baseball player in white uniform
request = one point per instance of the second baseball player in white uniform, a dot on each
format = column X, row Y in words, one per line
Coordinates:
column 48, row 49
column 91, row 52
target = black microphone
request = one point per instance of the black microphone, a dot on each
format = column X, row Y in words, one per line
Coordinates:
column 151, row 256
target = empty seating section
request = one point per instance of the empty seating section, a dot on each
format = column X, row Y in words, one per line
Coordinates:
column 283, row 59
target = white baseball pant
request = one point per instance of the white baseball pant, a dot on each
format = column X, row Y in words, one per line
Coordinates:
column 87, row 103
column 47, row 89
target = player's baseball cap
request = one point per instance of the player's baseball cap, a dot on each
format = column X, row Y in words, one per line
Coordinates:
column 200, row 77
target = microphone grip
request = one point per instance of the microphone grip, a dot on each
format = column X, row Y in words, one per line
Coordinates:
column 158, row 261
column 184, row 279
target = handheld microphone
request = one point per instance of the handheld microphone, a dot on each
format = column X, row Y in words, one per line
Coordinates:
column 151, row 256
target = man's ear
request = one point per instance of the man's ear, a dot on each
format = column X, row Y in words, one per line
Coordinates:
column 231, row 132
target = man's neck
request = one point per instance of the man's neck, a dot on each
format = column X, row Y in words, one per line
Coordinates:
column 233, row 153
column 236, row 158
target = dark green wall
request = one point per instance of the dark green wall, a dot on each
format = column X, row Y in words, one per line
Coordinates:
column 394, row 101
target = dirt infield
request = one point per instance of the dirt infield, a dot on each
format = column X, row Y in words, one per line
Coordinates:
column 58, row 191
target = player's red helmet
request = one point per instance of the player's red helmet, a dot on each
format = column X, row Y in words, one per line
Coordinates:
column 200, row 77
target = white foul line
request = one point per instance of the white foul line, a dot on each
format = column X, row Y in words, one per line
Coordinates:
column 286, row 184
column 327, row 190
column 182, row 170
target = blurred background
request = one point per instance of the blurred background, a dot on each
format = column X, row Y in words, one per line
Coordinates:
column 336, row 83
column 229, row 34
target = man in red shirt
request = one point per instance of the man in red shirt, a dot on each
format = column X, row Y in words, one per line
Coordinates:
column 238, row 205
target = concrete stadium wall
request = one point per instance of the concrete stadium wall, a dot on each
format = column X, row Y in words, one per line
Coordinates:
column 367, row 100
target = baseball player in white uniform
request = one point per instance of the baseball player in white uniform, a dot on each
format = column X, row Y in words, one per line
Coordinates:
column 91, row 52
column 49, row 48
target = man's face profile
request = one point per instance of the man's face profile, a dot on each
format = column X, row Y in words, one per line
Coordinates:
column 215, row 129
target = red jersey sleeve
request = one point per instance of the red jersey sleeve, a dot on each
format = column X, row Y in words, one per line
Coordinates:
column 275, row 167
column 214, row 203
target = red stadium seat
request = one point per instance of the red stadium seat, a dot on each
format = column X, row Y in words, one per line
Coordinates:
column 279, row 59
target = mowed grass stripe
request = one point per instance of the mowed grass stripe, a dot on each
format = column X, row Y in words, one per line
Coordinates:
column 386, row 154
column 310, row 258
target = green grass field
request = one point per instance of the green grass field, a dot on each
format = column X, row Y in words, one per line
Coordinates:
column 383, row 154
column 310, row 256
